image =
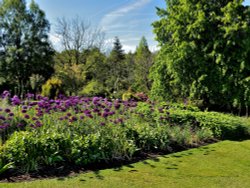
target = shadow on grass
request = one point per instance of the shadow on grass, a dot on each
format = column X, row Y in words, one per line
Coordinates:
column 63, row 173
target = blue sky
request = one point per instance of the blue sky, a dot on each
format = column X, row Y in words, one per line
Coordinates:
column 127, row 19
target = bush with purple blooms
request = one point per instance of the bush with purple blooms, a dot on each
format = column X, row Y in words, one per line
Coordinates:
column 40, row 132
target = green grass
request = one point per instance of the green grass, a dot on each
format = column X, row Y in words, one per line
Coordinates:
column 224, row 164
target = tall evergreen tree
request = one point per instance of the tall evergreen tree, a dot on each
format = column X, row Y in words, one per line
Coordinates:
column 116, row 79
column 24, row 45
column 143, row 63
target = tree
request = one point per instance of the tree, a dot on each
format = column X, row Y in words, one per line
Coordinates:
column 143, row 63
column 96, row 71
column 116, row 79
column 77, row 77
column 76, row 36
column 204, row 52
column 24, row 45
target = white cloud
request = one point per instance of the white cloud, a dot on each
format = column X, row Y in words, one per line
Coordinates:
column 110, row 18
column 154, row 48
column 55, row 40
column 129, row 48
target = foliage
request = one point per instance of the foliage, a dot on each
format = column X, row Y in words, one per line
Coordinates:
column 116, row 81
column 143, row 63
column 94, row 88
column 81, row 131
column 24, row 45
column 82, row 77
column 204, row 53
column 5, row 167
column 52, row 88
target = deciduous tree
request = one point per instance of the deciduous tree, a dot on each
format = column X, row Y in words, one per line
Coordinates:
column 204, row 52
column 24, row 45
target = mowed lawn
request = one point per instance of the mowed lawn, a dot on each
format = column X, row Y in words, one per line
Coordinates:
column 224, row 164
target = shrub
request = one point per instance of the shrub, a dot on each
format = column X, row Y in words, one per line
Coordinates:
column 223, row 126
column 52, row 88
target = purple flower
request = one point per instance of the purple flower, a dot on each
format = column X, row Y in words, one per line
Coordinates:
column 15, row 100
column 30, row 95
column 5, row 94
column 89, row 115
column 95, row 100
column 120, row 120
column 39, row 114
column 38, row 124
column 160, row 110
column 11, row 114
column 24, row 111
column 117, row 106
column 20, row 125
column 7, row 110
column 106, row 109
column 96, row 110
column 2, row 118
column 105, row 114
column 26, row 116
column 111, row 113
column 73, row 118
column 102, row 123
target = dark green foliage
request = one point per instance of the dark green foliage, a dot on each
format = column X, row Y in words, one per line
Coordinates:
column 117, row 74
column 143, row 62
column 24, row 44
column 204, row 53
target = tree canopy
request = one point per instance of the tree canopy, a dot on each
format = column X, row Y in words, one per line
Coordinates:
column 205, row 51
column 25, row 49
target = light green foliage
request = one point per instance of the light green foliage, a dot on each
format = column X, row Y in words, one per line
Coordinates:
column 222, row 125
column 94, row 88
column 24, row 45
column 70, row 72
column 86, row 77
column 204, row 53
column 52, row 88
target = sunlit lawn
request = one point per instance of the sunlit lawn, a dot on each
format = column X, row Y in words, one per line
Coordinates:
column 224, row 164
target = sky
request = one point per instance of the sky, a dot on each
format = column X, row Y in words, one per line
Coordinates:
column 127, row 19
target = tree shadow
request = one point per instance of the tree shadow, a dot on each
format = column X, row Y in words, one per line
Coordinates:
column 98, row 175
